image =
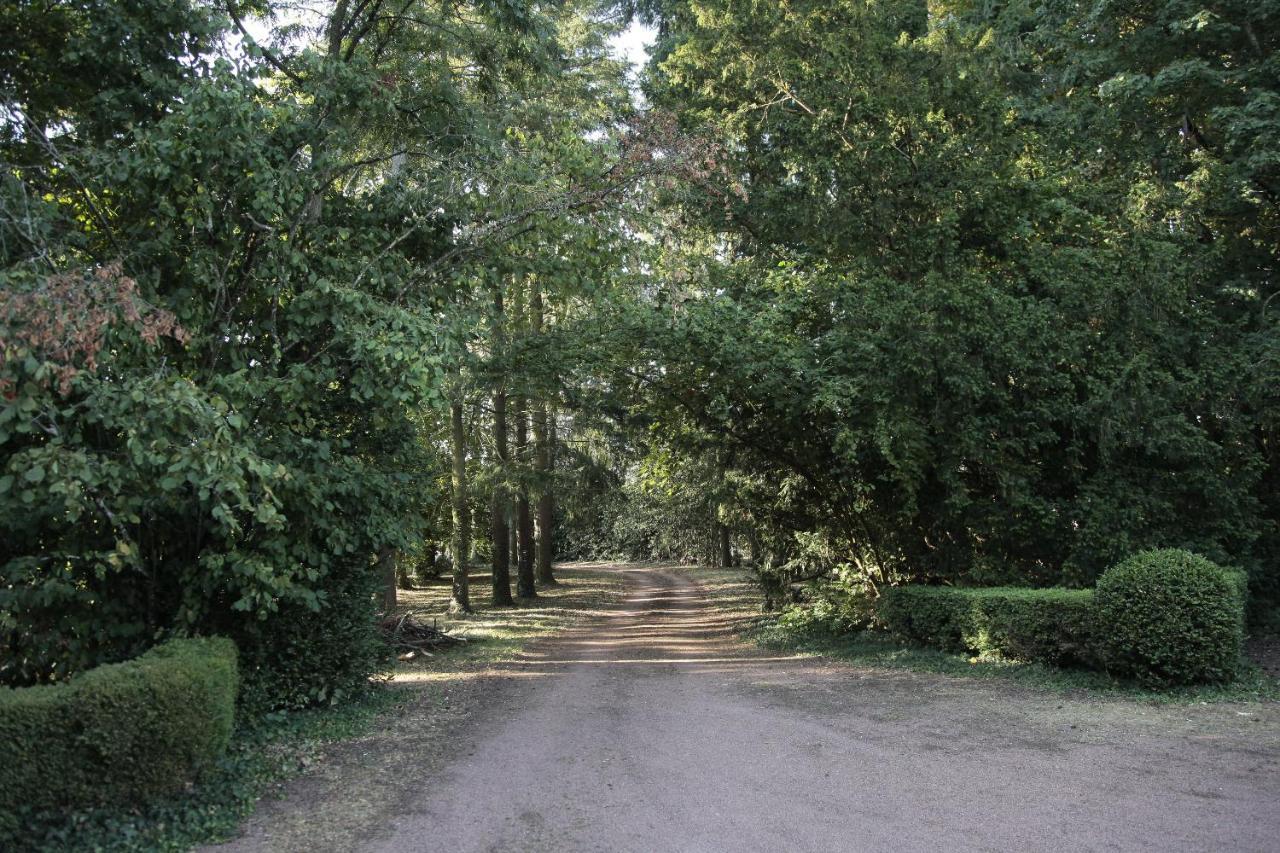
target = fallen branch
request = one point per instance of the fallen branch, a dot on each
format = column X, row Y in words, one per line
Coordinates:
column 411, row 638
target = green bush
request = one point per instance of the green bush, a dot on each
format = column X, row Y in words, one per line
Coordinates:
column 1048, row 625
column 117, row 734
column 302, row 657
column 836, row 607
column 1171, row 617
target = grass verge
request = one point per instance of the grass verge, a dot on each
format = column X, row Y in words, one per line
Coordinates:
column 734, row 589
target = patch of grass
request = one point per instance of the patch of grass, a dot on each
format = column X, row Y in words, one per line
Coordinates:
column 872, row 650
column 736, row 592
column 496, row 633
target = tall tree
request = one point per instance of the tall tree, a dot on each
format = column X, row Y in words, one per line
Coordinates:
column 525, row 580
column 500, row 499
column 542, row 458
column 387, row 565
column 461, row 545
column 968, row 319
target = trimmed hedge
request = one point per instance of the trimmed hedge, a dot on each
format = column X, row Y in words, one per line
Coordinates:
column 1163, row 618
column 1048, row 625
column 120, row 733
column 1172, row 617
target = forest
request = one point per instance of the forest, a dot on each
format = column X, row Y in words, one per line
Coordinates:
column 306, row 304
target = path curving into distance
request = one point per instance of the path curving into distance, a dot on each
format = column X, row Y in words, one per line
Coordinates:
column 651, row 729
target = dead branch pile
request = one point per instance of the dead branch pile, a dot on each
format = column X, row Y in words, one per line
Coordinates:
column 411, row 638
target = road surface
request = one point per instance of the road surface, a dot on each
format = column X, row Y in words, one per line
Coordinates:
column 651, row 729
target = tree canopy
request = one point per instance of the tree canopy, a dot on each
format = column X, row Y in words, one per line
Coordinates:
column 296, row 293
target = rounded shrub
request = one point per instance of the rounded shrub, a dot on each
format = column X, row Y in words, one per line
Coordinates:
column 117, row 734
column 1170, row 617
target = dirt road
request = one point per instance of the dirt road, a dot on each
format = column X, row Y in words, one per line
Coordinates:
column 650, row 729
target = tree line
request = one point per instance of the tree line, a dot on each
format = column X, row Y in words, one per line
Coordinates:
column 297, row 294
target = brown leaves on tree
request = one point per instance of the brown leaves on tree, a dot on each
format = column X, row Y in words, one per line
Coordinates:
column 655, row 145
column 64, row 322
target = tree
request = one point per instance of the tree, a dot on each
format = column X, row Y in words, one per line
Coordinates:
column 542, row 462
column 956, row 339
column 461, row 545
column 500, row 499
column 305, row 211
column 525, row 578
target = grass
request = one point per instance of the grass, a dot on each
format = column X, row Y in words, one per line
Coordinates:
column 266, row 753
column 734, row 589
column 869, row 649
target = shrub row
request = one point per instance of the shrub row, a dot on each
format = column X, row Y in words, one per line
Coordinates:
column 1161, row 617
column 117, row 734
column 1050, row 625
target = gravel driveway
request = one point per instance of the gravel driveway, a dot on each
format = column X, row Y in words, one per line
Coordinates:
column 650, row 728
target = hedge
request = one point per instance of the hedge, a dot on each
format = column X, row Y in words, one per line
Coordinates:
column 1162, row 618
column 1048, row 625
column 1172, row 617
column 117, row 734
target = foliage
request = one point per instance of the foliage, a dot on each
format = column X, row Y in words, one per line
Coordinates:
column 1171, row 617
column 1054, row 626
column 236, row 279
column 970, row 295
column 261, row 756
column 119, row 734
column 303, row 657
column 962, row 325
column 1161, row 617
column 625, row 495
column 832, row 608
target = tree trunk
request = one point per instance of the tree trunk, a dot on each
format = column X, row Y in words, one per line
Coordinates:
column 433, row 551
column 498, row 532
column 461, row 518
column 513, row 540
column 726, row 549
column 524, row 522
column 542, row 462
column 387, row 565
column 498, row 507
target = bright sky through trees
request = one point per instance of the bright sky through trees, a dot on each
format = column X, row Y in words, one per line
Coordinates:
column 633, row 44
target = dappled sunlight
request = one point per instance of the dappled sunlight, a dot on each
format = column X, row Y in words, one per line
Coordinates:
column 493, row 633
column 663, row 621
column 737, row 662
column 428, row 676
column 585, row 591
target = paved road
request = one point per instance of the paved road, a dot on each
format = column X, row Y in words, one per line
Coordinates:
column 650, row 729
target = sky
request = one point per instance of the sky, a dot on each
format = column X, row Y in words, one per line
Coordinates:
column 633, row 44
